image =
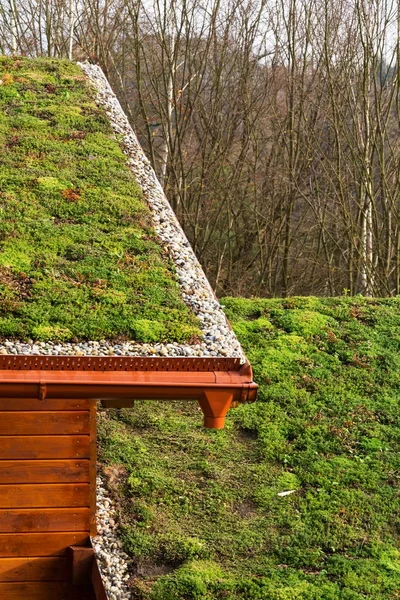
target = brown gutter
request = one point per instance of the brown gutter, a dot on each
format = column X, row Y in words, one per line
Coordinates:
column 215, row 383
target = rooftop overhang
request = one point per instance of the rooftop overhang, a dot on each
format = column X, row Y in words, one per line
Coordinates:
column 215, row 383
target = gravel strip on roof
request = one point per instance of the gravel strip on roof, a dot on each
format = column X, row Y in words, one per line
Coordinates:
column 218, row 337
column 112, row 560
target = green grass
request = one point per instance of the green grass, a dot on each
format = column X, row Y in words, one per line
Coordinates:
column 200, row 510
column 79, row 258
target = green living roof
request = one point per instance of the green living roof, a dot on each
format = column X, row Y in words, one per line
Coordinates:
column 79, row 258
column 298, row 497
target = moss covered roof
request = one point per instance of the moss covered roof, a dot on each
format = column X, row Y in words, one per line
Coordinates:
column 298, row 497
column 79, row 258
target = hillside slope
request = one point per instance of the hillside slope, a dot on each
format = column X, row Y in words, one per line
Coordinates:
column 298, row 498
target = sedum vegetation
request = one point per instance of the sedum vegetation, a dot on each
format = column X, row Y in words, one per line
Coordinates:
column 201, row 513
column 79, row 258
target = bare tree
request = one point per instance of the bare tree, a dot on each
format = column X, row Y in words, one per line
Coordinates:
column 272, row 124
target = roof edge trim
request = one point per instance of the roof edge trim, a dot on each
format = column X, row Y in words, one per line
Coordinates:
column 19, row 362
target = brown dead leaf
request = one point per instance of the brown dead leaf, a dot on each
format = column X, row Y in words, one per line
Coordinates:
column 71, row 194
column 7, row 79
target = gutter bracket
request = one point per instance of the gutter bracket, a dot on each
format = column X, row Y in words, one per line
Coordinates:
column 42, row 391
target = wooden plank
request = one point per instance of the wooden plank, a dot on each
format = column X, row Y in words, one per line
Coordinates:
column 16, row 447
column 44, row 423
column 93, row 465
column 34, row 569
column 44, row 519
column 36, row 404
column 118, row 403
column 81, row 559
column 44, row 471
column 97, row 582
column 82, row 592
column 37, row 544
column 45, row 494
column 34, row 590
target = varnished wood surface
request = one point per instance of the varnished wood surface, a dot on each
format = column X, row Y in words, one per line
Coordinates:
column 24, row 404
column 44, row 447
column 44, row 495
column 93, row 464
column 44, row 423
column 81, row 559
column 38, row 544
column 47, row 495
column 35, row 590
column 19, row 520
column 52, row 568
column 44, row 471
column 46, row 590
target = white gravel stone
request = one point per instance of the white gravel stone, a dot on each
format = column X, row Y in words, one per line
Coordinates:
column 218, row 338
column 112, row 560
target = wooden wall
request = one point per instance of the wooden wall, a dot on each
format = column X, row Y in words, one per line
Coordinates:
column 47, row 493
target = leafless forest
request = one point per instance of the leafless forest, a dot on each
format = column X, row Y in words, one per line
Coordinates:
column 273, row 126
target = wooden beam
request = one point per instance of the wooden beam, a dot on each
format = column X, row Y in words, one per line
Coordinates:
column 97, row 582
column 81, row 560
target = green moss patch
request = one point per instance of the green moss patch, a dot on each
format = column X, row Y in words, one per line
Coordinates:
column 79, row 258
column 298, row 497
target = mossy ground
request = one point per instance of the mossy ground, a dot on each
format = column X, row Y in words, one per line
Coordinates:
column 201, row 515
column 78, row 256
